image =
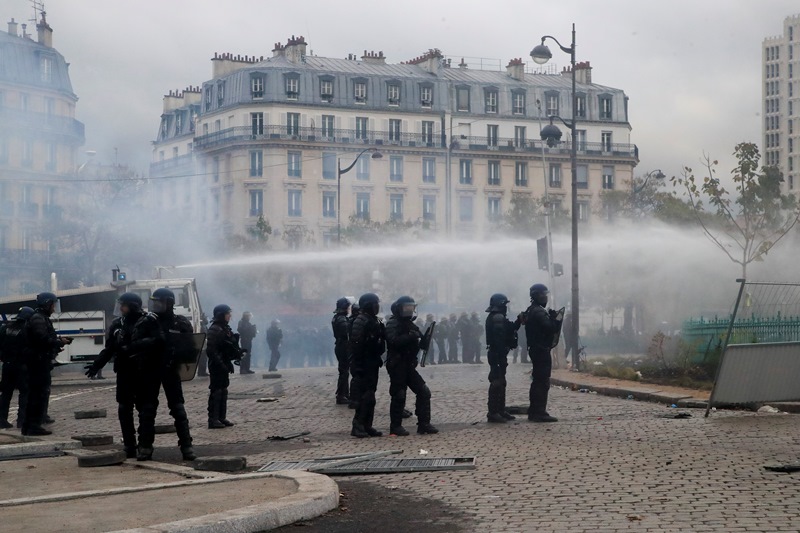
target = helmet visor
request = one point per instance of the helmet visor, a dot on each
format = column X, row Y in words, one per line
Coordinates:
column 408, row 310
column 158, row 306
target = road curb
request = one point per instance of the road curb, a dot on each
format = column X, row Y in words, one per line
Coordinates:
column 647, row 395
column 316, row 494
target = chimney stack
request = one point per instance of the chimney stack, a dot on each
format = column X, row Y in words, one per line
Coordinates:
column 374, row 58
column 24, row 31
column 583, row 72
column 45, row 32
column 12, row 28
column 516, row 69
column 295, row 49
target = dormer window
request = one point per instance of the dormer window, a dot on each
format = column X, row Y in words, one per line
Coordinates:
column 551, row 99
column 326, row 90
column 257, row 87
column 220, row 93
column 491, row 100
column 178, row 123
column 292, row 88
column 209, row 97
column 47, row 69
column 605, row 107
column 360, row 92
column 426, row 96
column 394, row 94
column 518, row 103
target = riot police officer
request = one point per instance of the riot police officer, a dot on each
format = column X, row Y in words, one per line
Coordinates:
column 542, row 330
column 432, row 352
column 452, row 339
column 173, row 327
column 247, row 332
column 353, row 396
column 223, row 349
column 44, row 345
column 118, row 347
column 368, row 342
column 403, row 343
column 14, row 355
column 339, row 324
column 501, row 337
column 440, row 335
column 274, row 340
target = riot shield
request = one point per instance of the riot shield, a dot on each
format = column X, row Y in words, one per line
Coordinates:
column 186, row 348
column 427, row 341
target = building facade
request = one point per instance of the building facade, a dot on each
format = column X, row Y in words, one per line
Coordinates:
column 780, row 135
column 267, row 137
column 39, row 140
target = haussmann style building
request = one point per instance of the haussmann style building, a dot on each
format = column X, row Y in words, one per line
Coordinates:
column 266, row 137
column 39, row 140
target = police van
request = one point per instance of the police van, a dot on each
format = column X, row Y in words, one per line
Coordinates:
column 86, row 313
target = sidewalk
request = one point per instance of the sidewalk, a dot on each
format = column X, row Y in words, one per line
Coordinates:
column 52, row 494
column 679, row 396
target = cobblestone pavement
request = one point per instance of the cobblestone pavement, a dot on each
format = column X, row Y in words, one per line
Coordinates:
column 608, row 465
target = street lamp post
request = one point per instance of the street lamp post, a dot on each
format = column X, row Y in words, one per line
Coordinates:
column 541, row 54
column 375, row 155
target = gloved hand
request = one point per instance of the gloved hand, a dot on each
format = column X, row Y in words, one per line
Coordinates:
column 229, row 365
column 522, row 318
column 553, row 313
column 91, row 370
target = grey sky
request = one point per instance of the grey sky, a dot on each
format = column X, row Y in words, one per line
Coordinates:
column 691, row 68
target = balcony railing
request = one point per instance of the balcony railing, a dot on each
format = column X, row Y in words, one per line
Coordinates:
column 505, row 144
column 182, row 161
column 307, row 134
column 384, row 138
column 42, row 122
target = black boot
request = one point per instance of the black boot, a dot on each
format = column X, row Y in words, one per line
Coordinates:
column 130, row 452
column 426, row 429
column 358, row 430
column 187, row 452
column 145, row 453
column 223, row 410
column 495, row 418
column 213, row 410
column 399, row 431
column 507, row 415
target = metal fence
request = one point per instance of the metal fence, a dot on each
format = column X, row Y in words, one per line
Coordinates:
column 750, row 330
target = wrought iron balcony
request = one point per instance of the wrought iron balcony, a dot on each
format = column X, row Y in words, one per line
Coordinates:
column 182, row 162
column 40, row 122
column 316, row 135
column 505, row 144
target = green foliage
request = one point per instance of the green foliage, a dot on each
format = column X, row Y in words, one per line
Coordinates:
column 365, row 231
column 261, row 232
column 747, row 223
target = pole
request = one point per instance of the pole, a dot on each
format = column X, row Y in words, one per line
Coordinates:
column 547, row 214
column 339, row 202
column 742, row 282
column 574, row 163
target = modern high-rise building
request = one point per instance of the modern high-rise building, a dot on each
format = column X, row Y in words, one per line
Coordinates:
column 39, row 140
column 267, row 137
column 781, row 129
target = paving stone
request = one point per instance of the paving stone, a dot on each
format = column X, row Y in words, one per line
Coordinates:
column 107, row 458
column 220, row 463
column 94, row 440
column 94, row 413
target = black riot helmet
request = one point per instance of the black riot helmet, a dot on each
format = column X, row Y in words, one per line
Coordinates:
column 370, row 303
column 498, row 303
column 405, row 307
column 163, row 300
column 45, row 300
column 221, row 311
column 132, row 301
column 341, row 305
column 24, row 314
column 355, row 309
column 539, row 293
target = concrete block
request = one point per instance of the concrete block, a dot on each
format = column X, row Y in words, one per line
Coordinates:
column 94, row 413
column 94, row 440
column 221, row 463
column 109, row 458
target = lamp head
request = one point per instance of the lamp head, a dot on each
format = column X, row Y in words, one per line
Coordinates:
column 541, row 54
column 377, row 155
column 551, row 135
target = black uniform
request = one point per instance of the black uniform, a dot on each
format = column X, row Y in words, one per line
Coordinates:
column 44, row 346
column 501, row 337
column 452, row 339
column 340, row 326
column 147, row 346
column 172, row 324
column 274, row 339
column 440, row 336
column 368, row 344
column 247, row 332
column 354, row 395
column 221, row 345
column 541, row 331
column 464, row 328
column 402, row 348
column 14, row 355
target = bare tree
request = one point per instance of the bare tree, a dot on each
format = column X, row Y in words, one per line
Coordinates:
column 747, row 223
